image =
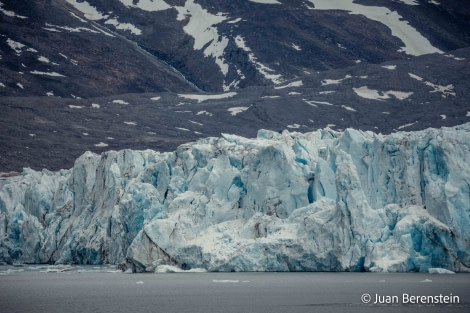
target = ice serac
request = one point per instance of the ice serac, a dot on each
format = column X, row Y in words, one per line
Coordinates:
column 319, row 201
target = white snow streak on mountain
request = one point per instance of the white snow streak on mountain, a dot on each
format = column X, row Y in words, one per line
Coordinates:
column 415, row 43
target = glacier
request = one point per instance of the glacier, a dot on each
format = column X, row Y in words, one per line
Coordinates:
column 290, row 201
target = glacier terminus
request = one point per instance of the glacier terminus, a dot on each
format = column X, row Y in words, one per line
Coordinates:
column 318, row 201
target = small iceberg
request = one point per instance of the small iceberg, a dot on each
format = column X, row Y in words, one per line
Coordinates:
column 438, row 270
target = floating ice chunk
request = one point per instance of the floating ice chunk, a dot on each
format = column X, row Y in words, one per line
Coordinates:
column 95, row 106
column 183, row 129
column 390, row 67
column 436, row 270
column 130, row 123
column 139, row 282
column 426, row 281
column 76, row 106
column 155, row 98
column 225, row 281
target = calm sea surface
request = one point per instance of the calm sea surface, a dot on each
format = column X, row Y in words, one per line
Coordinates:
column 99, row 289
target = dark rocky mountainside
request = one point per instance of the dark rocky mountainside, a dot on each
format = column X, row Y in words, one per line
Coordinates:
column 102, row 74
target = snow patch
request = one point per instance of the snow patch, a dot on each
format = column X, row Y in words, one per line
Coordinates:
column 445, row 90
column 52, row 74
column 237, row 110
column 183, row 129
column 95, row 106
column 327, row 82
column 204, row 113
column 296, row 47
column 266, row 1
column 155, row 98
column 267, row 72
column 130, row 123
column 407, row 125
column 15, row 45
column 235, row 21
column 201, row 97
column 51, row 27
column 117, row 101
column 298, row 83
column 197, row 123
column 389, row 67
column 414, row 42
column 200, row 26
column 314, row 103
column 124, row 26
column 348, row 108
column 76, row 106
column 366, row 93
column 415, row 76
column 293, row 126
column 147, row 5
column 101, row 145
column 90, row 12
column 10, row 13
column 409, row 2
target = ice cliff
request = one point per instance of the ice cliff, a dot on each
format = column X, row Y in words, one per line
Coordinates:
column 320, row 201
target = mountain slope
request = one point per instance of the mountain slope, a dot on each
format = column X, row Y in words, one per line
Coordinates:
column 371, row 65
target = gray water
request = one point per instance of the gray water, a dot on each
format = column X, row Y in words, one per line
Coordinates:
column 92, row 289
